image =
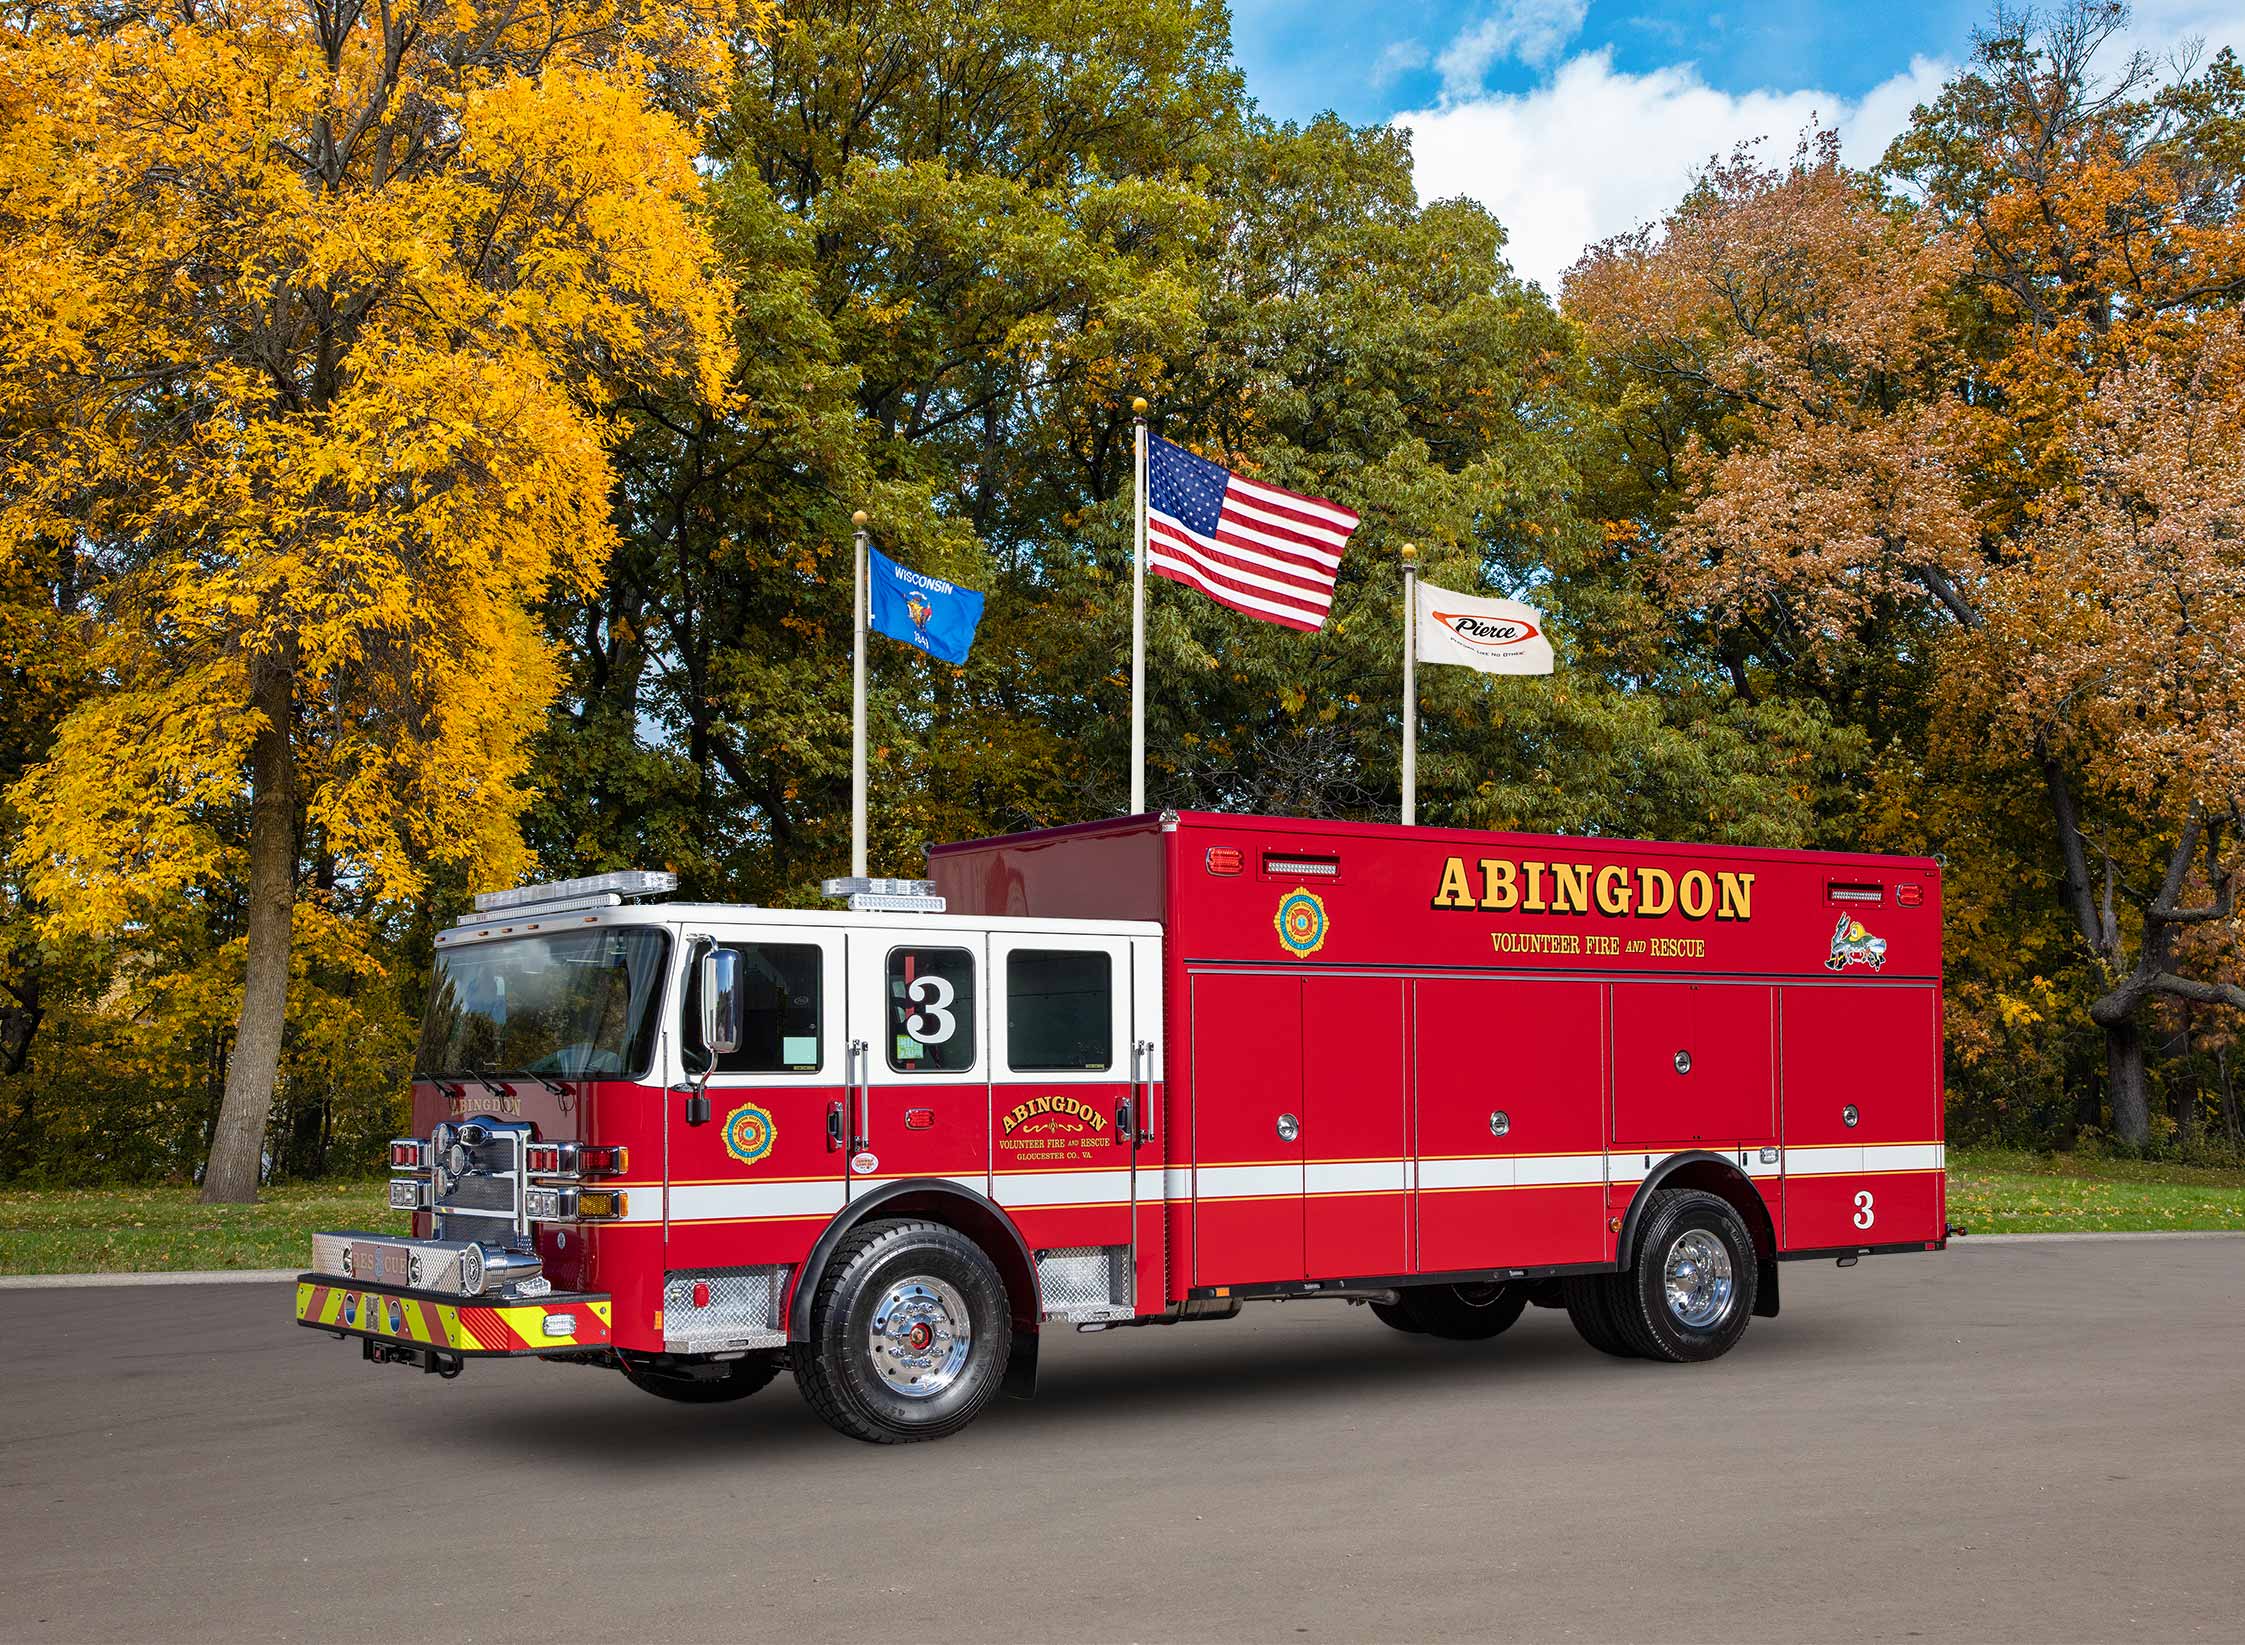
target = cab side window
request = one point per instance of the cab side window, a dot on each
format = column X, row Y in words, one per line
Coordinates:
column 782, row 1029
column 1059, row 1011
column 931, row 1008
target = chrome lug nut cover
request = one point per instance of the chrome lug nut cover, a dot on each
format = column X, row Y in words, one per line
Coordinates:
column 920, row 1337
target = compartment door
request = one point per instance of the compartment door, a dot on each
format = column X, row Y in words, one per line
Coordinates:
column 1874, row 1052
column 1247, row 1095
column 1523, row 1054
column 1693, row 1065
column 1356, row 1208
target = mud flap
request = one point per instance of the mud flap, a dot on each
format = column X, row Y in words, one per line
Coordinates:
column 1765, row 1290
column 1021, row 1367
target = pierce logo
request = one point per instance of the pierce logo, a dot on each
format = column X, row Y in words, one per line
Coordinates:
column 1487, row 633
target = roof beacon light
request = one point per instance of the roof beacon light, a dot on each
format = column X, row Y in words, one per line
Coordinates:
column 594, row 889
column 885, row 896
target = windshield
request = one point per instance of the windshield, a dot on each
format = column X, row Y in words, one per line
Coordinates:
column 579, row 1003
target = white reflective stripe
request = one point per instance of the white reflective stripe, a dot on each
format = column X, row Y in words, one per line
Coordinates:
column 1489, row 1171
column 1063, row 1188
column 1246, row 1181
column 1853, row 1160
column 1385, row 1176
column 1176, row 1182
column 1551, row 1170
column 721, row 1201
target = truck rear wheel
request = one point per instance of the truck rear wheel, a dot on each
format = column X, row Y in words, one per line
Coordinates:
column 1397, row 1317
column 1465, row 1313
column 1690, row 1292
column 731, row 1380
column 1590, row 1304
column 910, row 1333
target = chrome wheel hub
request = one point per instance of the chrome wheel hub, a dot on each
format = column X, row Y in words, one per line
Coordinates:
column 920, row 1337
column 1697, row 1278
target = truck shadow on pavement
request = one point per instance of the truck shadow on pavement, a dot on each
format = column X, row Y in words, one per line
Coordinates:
column 1284, row 1374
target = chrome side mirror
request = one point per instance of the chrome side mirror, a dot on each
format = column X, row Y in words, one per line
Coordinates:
column 723, row 1009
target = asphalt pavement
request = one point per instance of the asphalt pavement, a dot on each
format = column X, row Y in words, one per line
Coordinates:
column 2031, row 1442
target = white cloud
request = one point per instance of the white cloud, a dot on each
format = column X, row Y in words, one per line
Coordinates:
column 1593, row 152
column 1533, row 31
column 1397, row 58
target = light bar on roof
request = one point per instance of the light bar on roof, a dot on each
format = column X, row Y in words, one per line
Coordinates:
column 623, row 882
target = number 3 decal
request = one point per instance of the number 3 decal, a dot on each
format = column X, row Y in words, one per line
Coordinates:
column 938, row 1024
column 1864, row 1215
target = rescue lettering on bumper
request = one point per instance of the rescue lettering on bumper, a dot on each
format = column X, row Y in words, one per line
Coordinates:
column 428, row 1321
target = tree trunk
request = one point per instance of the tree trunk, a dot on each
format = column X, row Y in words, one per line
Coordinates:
column 2124, row 1078
column 237, row 1148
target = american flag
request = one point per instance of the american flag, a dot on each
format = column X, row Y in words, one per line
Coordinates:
column 1272, row 554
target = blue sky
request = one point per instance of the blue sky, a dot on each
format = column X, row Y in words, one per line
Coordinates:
column 1576, row 119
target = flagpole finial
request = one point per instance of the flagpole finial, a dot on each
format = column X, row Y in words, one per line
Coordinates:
column 1138, row 406
column 1410, row 551
column 859, row 518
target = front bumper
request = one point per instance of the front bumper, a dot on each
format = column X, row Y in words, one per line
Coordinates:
column 560, row 1322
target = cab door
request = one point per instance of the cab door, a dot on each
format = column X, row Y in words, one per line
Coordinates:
column 918, row 1044
column 1065, row 1108
column 754, row 1180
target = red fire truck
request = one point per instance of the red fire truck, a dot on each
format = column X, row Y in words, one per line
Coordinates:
column 1140, row 1072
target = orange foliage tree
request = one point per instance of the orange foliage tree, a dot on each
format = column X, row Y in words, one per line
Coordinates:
column 311, row 317
column 1889, row 429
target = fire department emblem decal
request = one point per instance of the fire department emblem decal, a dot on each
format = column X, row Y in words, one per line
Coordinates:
column 749, row 1133
column 1301, row 922
column 1853, row 945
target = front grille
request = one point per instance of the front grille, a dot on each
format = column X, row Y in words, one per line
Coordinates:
column 479, row 1194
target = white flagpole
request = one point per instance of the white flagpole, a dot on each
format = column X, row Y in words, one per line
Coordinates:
column 1410, row 685
column 860, row 592
column 1138, row 621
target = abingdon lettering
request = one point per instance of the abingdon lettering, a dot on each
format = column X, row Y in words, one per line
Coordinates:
column 1506, row 886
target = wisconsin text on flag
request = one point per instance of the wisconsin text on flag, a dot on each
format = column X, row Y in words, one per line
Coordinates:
column 1270, row 553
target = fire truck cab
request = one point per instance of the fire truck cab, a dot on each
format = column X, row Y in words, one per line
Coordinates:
column 1142, row 1071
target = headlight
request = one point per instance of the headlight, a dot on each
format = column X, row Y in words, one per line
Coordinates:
column 407, row 1193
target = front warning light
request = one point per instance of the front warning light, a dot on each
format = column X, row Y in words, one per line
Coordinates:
column 1223, row 859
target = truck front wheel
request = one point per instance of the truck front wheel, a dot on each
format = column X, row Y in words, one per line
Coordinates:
column 910, row 1333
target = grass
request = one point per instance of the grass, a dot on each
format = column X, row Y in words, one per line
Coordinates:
column 148, row 1230
column 2004, row 1192
column 143, row 1230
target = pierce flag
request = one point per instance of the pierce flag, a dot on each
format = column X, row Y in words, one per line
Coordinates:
column 938, row 617
column 1494, row 636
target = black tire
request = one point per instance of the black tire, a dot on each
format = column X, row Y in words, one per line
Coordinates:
column 1589, row 1304
column 1466, row 1313
column 929, row 1273
column 1396, row 1315
column 735, row 1379
column 1710, row 1249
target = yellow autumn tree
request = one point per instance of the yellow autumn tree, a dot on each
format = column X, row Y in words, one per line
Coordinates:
column 312, row 320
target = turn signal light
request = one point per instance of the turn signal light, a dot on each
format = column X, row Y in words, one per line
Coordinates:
column 601, row 1204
